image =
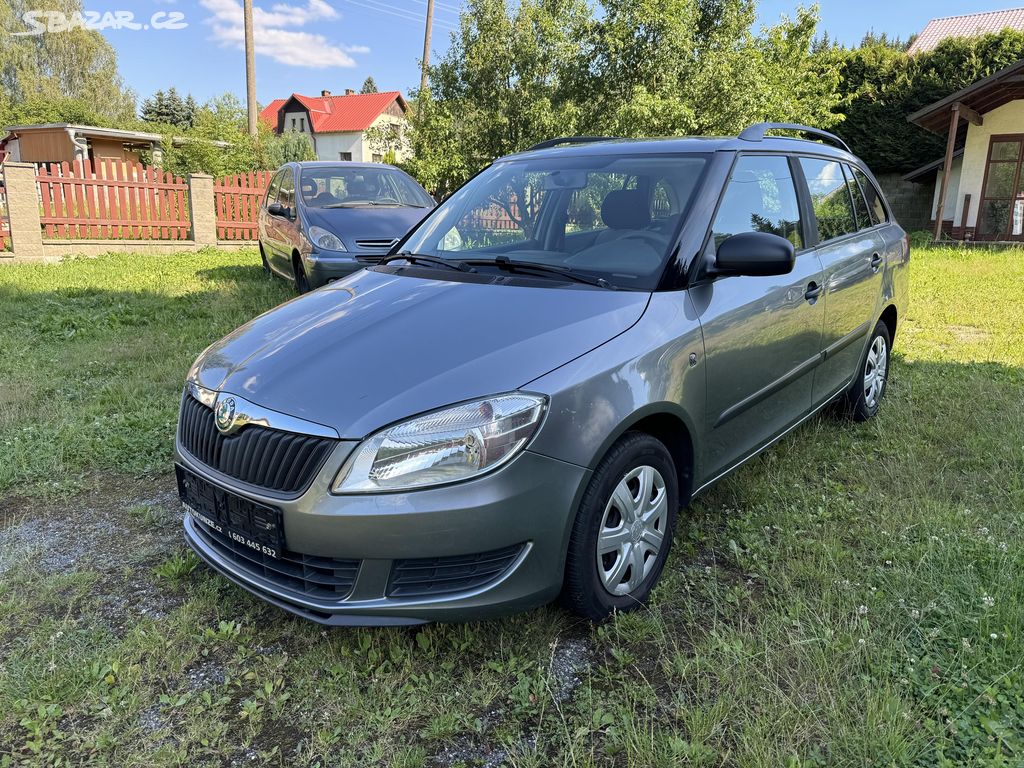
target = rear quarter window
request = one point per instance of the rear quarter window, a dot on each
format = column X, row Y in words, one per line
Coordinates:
column 874, row 198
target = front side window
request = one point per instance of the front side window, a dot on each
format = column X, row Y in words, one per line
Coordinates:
column 274, row 187
column 760, row 197
column 360, row 187
column 607, row 216
column 286, row 197
column 833, row 207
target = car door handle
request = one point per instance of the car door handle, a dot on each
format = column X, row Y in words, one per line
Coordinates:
column 813, row 292
column 876, row 262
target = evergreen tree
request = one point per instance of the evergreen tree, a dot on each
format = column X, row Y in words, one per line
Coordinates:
column 369, row 86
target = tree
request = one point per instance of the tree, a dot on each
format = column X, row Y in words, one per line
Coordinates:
column 64, row 76
column 503, row 84
column 880, row 85
column 289, row 147
column 369, row 86
column 676, row 67
column 517, row 74
column 170, row 109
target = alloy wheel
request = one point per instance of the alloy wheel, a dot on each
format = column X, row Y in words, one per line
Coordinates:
column 632, row 530
column 874, row 371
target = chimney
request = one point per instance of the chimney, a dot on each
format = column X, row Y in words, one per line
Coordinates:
column 349, row 92
column 325, row 94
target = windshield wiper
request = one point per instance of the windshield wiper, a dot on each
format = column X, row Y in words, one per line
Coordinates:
column 513, row 265
column 372, row 204
column 422, row 258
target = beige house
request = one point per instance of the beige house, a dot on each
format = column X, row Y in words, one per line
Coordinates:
column 67, row 143
column 982, row 195
column 362, row 127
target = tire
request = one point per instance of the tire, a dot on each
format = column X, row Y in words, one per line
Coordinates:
column 301, row 279
column 263, row 258
column 600, row 583
column 864, row 397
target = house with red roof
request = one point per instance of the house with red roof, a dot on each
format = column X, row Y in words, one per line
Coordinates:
column 977, row 187
column 362, row 127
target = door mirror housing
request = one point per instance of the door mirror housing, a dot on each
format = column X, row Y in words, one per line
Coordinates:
column 757, row 254
column 276, row 209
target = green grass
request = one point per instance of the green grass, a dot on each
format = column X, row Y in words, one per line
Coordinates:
column 853, row 596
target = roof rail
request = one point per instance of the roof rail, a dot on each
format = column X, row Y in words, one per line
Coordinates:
column 570, row 140
column 757, row 131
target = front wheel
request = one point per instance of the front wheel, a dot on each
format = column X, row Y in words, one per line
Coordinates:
column 301, row 279
column 864, row 397
column 623, row 530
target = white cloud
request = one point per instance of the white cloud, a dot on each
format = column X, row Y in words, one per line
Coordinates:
column 277, row 33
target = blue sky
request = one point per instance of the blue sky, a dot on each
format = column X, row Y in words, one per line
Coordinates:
column 307, row 45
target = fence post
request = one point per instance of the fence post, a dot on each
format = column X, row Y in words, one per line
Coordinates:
column 202, row 209
column 23, row 210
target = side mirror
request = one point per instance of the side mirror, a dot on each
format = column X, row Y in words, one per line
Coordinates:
column 756, row 254
column 276, row 209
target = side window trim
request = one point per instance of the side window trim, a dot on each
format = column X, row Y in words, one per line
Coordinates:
column 855, row 188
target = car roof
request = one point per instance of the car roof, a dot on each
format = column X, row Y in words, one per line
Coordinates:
column 340, row 164
column 684, row 145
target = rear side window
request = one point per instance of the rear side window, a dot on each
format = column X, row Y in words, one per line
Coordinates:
column 875, row 205
column 860, row 205
column 833, row 207
column 760, row 197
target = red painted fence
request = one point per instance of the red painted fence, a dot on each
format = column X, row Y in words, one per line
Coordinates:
column 112, row 201
column 237, row 201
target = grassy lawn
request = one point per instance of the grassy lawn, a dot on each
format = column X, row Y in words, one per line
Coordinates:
column 854, row 596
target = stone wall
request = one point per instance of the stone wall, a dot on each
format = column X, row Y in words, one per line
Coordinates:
column 911, row 203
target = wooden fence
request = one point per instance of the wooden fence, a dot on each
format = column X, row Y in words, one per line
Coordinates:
column 112, row 200
column 237, row 201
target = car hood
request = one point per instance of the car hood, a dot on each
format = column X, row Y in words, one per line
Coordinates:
column 351, row 224
column 376, row 347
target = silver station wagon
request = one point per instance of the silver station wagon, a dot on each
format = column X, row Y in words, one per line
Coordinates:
column 515, row 404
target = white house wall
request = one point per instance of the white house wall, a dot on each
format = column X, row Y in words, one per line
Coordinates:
column 404, row 152
column 952, row 195
column 1008, row 118
column 329, row 146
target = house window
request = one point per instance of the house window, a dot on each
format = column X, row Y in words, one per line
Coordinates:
column 1001, row 215
column 293, row 123
column 378, row 158
column 302, row 124
column 344, row 155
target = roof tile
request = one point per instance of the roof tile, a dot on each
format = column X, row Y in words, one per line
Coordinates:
column 968, row 25
column 330, row 114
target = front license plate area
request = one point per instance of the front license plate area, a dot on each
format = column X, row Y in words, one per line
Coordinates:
column 246, row 522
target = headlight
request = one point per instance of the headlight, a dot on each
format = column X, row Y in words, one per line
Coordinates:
column 325, row 240
column 444, row 446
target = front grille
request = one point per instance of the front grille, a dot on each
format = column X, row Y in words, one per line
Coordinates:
column 376, row 243
column 316, row 578
column 441, row 575
column 264, row 457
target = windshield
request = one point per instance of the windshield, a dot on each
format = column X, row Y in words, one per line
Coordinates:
column 611, row 217
column 356, row 187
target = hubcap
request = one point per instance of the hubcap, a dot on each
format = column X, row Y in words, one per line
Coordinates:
column 632, row 530
column 874, row 371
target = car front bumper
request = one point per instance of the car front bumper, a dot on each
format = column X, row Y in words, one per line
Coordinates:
column 322, row 269
column 523, row 511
